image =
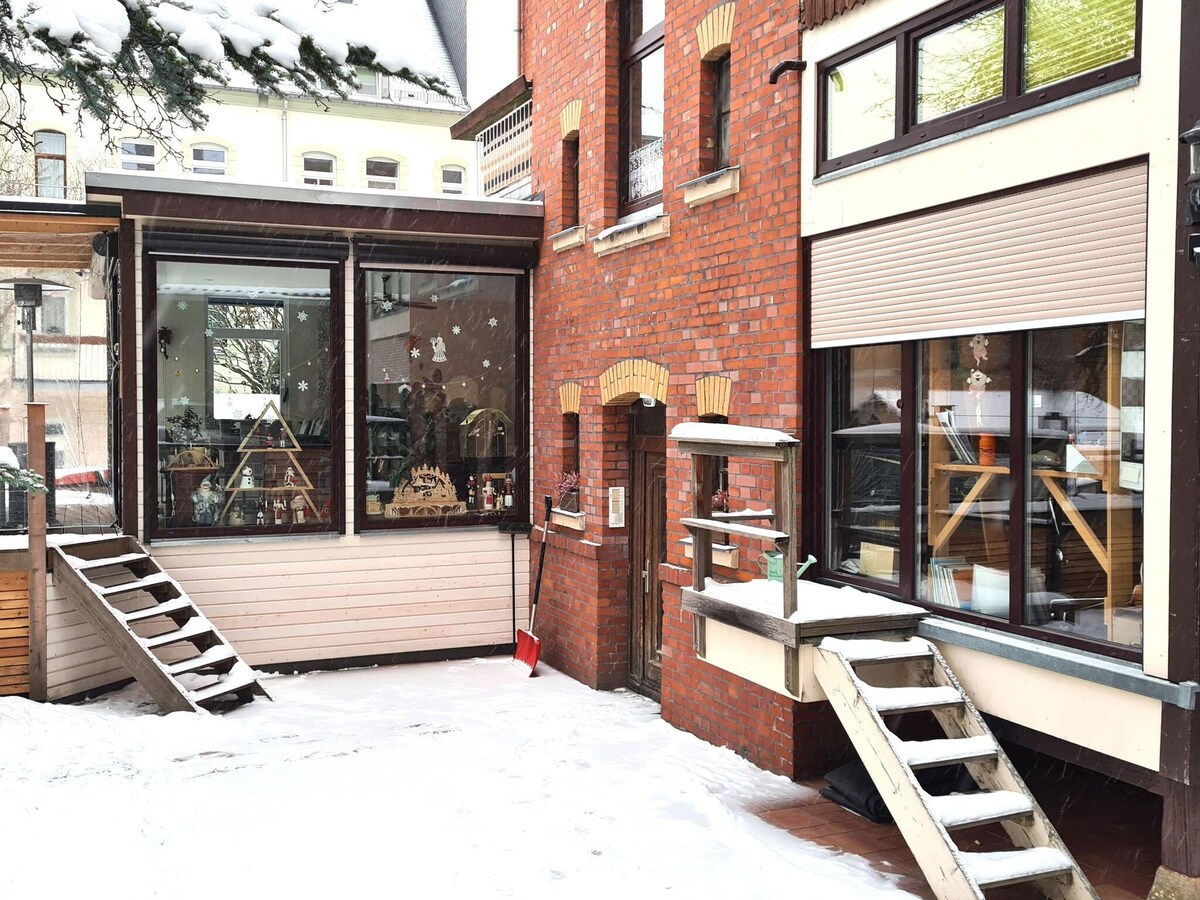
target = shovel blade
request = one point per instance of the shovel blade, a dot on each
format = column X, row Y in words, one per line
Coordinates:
column 529, row 648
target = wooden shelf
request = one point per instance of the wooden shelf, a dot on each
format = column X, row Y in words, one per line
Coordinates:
column 725, row 526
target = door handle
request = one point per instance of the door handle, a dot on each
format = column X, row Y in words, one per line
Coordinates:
column 645, row 579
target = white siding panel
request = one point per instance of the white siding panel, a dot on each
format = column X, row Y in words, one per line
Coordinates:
column 1073, row 250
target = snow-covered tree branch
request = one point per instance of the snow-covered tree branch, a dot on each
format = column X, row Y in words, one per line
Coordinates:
column 147, row 65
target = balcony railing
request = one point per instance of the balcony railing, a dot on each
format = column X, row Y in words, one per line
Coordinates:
column 506, row 151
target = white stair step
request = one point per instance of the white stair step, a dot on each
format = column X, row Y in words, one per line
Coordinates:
column 871, row 650
column 994, row 870
column 724, row 526
column 889, row 701
column 240, row 677
column 178, row 604
column 124, row 559
column 209, row 657
column 193, row 627
column 152, row 580
column 982, row 808
column 946, row 751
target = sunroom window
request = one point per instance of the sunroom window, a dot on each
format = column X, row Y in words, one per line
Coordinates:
column 442, row 431
column 245, row 399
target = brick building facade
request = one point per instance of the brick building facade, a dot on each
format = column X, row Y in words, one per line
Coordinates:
column 647, row 305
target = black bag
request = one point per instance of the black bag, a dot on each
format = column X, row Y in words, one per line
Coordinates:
column 851, row 787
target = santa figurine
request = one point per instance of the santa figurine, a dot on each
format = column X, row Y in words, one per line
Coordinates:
column 204, row 504
column 298, row 505
column 289, row 477
column 279, row 508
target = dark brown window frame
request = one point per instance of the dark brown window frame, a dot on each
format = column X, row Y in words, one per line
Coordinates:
column 520, row 510
column 337, row 441
column 816, row 483
column 39, row 156
column 721, row 108
column 909, row 133
column 634, row 49
column 570, row 182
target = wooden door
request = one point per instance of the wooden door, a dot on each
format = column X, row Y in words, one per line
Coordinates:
column 648, row 534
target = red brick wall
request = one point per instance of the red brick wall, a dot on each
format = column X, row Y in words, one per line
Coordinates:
column 719, row 295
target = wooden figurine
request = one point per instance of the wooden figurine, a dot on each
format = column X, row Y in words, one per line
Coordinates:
column 247, row 477
column 298, row 506
column 279, row 507
column 260, row 517
column 289, row 477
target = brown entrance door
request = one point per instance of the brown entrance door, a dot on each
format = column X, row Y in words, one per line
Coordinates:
column 648, row 514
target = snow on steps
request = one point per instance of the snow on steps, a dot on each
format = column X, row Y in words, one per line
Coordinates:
column 983, row 808
column 889, row 701
column 1003, row 867
column 945, row 751
column 869, row 650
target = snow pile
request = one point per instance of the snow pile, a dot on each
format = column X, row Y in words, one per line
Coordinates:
column 443, row 780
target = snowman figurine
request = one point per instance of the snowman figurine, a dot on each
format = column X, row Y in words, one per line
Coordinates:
column 247, row 477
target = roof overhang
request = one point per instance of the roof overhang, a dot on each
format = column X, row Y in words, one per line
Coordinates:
column 492, row 110
column 40, row 234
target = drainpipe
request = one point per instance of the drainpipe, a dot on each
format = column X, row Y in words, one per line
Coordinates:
column 283, row 126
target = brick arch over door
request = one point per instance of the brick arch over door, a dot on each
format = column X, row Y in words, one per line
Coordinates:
column 629, row 379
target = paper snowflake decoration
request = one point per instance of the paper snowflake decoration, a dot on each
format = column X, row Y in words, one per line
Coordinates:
column 487, row 363
column 493, row 321
column 183, row 304
column 185, row 400
column 386, row 305
column 208, row 332
column 416, row 352
column 433, row 298
column 302, row 316
column 456, row 330
column 302, row 386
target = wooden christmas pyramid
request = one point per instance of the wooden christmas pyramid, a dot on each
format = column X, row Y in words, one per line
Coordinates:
column 287, row 446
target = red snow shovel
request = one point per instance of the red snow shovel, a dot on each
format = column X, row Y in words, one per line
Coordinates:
column 529, row 647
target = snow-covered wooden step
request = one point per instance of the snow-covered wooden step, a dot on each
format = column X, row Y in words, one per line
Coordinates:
column 890, row 701
column 153, row 580
column 864, row 651
column 211, row 657
column 239, row 678
column 724, row 526
column 956, row 811
column 124, row 559
column 1004, row 867
column 946, row 751
column 178, row 604
column 193, row 627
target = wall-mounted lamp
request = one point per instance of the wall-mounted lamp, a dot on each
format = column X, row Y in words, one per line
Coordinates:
column 647, row 400
column 164, row 341
column 27, row 293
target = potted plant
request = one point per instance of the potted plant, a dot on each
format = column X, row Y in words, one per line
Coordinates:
column 566, row 492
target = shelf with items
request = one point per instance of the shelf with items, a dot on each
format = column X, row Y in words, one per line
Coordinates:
column 259, row 447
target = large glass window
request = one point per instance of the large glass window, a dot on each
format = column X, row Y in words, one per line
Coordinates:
column 953, row 75
column 1084, row 452
column 642, row 103
column 245, row 398
column 864, row 461
column 209, row 159
column 137, row 156
column 965, row 404
column 442, row 433
column 1009, row 489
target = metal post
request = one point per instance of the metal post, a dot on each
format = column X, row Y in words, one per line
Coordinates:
column 27, row 316
column 35, row 416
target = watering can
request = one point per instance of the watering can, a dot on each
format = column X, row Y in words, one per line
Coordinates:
column 771, row 565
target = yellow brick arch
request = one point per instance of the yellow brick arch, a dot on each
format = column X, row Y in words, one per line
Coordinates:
column 630, row 379
column 712, row 395
column 569, row 395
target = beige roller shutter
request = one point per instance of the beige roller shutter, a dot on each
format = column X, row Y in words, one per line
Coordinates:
column 1074, row 251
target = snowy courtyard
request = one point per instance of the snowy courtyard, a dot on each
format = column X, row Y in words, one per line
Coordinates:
column 455, row 779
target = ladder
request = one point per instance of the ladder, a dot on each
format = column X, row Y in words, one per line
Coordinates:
column 928, row 823
column 153, row 626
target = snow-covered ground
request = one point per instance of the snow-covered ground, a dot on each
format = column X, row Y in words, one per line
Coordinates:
column 447, row 780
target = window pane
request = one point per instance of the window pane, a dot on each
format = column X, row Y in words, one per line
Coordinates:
column 963, row 518
column 133, row 148
column 208, row 154
column 382, row 168
column 644, row 96
column 961, row 65
column 244, row 395
column 442, row 388
column 1086, row 402
column 318, row 164
column 51, row 177
column 1064, row 38
column 721, row 114
column 860, row 101
column 51, row 142
column 864, row 461
column 644, row 15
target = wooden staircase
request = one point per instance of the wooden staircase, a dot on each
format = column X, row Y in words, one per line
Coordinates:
column 929, row 823
column 153, row 626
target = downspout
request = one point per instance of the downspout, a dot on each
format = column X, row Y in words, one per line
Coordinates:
column 283, row 124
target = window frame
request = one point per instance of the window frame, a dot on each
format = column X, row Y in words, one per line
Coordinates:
column 208, row 164
column 452, row 167
column 633, row 50
column 818, row 527
column 721, row 108
column 337, row 414
column 318, row 179
column 906, row 35
column 520, row 510
column 393, row 179
column 39, row 156
column 570, row 182
column 134, row 162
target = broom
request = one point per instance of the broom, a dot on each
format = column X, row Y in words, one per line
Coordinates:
column 529, row 647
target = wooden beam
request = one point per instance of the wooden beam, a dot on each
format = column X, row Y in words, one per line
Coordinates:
column 56, row 224
column 35, row 414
